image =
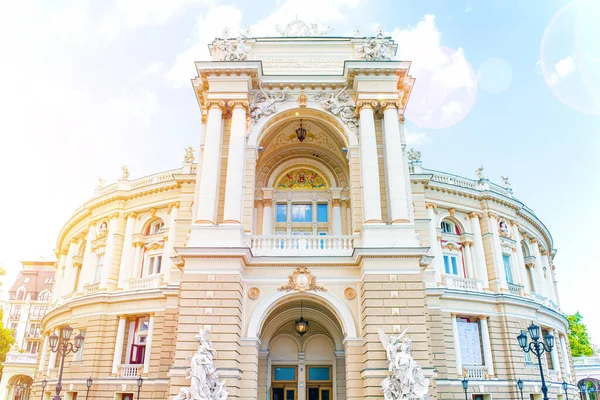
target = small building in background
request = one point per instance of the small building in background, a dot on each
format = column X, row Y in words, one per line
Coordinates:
column 28, row 301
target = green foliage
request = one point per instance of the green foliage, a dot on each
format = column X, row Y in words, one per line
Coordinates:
column 6, row 340
column 579, row 338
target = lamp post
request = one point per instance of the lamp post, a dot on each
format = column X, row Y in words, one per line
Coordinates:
column 89, row 385
column 565, row 386
column 140, row 381
column 465, row 385
column 44, row 384
column 538, row 348
column 520, row 386
column 63, row 346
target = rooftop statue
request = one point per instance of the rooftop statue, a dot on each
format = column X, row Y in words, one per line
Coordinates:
column 505, row 181
column 298, row 28
column 233, row 49
column 189, row 155
column 205, row 383
column 414, row 155
column 376, row 49
column 407, row 381
column 125, row 172
column 479, row 173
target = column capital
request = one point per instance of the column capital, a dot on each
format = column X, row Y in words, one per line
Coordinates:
column 267, row 202
column 130, row 214
column 483, row 317
column 366, row 104
column 514, row 223
column 173, row 205
column 216, row 104
column 533, row 240
column 335, row 202
column 544, row 252
column 116, row 214
column 233, row 104
column 474, row 214
column 258, row 202
column 430, row 205
column 385, row 105
column 491, row 214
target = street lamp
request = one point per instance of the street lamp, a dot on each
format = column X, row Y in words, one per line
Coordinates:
column 520, row 386
column 44, row 384
column 582, row 390
column 565, row 386
column 140, row 381
column 63, row 346
column 465, row 385
column 89, row 385
column 538, row 348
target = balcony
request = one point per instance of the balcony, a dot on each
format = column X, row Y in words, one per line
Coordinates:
column 147, row 282
column 302, row 245
column 515, row 289
column 579, row 361
column 129, row 370
column 475, row 371
column 91, row 288
column 20, row 358
column 458, row 283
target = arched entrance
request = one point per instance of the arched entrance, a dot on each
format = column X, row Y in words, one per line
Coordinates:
column 295, row 367
column 589, row 388
column 19, row 387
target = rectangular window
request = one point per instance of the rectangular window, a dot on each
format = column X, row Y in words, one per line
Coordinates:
column 284, row 374
column 548, row 355
column 32, row 347
column 322, row 215
column 470, row 341
column 79, row 353
column 447, row 227
column 319, row 374
column 281, row 212
column 528, row 359
column 301, row 212
column 154, row 264
column 99, row 265
column 27, row 280
column 451, row 264
column 507, row 269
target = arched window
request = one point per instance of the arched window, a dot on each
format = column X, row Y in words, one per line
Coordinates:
column 21, row 292
column 448, row 226
column 44, row 296
column 154, row 227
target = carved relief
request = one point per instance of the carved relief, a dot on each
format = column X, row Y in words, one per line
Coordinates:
column 301, row 280
column 302, row 179
column 300, row 28
column 264, row 103
column 254, row 293
column 102, row 229
column 503, row 228
column 339, row 104
column 350, row 293
column 375, row 49
column 233, row 49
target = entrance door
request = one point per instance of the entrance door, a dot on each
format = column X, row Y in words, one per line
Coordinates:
column 319, row 393
column 284, row 393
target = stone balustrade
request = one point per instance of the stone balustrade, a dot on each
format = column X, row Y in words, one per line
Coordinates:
column 301, row 245
column 515, row 289
column 15, row 357
column 91, row 288
column 129, row 370
column 475, row 371
column 146, row 282
column 458, row 283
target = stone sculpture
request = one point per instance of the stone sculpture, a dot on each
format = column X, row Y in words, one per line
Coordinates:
column 124, row 172
column 205, row 383
column 375, row 49
column 407, row 381
column 299, row 28
column 414, row 155
column 339, row 104
column 265, row 103
column 479, row 173
column 233, row 49
column 189, row 155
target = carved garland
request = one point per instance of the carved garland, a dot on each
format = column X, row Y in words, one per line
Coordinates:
column 301, row 280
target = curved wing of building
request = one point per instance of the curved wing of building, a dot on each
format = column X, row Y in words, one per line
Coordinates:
column 304, row 202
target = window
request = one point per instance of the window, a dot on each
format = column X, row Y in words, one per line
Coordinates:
column 281, row 212
column 99, row 265
column 27, row 280
column 154, row 264
column 44, row 296
column 48, row 281
column 21, row 294
column 34, row 330
column 528, row 359
column 284, row 373
column 301, row 212
column 470, row 341
column 319, row 374
column 16, row 312
column 322, row 213
column 507, row 269
column 79, row 353
column 451, row 264
column 449, row 227
column 32, row 347
column 155, row 227
column 138, row 347
column 548, row 355
column 13, row 328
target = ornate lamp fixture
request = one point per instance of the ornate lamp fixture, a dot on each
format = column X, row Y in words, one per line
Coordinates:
column 301, row 324
column 301, row 132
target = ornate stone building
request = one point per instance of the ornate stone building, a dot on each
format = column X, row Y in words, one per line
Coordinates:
column 304, row 203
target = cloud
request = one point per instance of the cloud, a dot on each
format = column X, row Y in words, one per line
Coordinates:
column 415, row 138
column 562, row 68
column 452, row 108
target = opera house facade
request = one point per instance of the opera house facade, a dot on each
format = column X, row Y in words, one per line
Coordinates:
column 303, row 203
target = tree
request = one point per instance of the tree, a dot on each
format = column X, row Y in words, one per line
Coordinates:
column 579, row 338
column 6, row 340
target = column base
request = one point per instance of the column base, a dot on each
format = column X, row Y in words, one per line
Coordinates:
column 230, row 235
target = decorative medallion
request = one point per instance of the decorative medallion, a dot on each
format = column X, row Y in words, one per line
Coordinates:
column 302, row 179
column 301, row 280
column 254, row 293
column 350, row 293
column 102, row 229
column 503, row 228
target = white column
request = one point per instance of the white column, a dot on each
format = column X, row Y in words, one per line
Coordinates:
column 315, row 214
column 43, row 354
column 234, row 186
column 52, row 360
column 126, row 256
column 198, row 170
column 539, row 268
column 497, row 250
column 206, row 209
column 479, row 254
column 468, row 260
column 167, row 262
column 87, row 269
column 459, row 368
column 344, row 212
column 523, row 273
column 118, row 354
column 137, row 260
column 487, row 347
column 565, row 356
column 267, row 222
column 148, row 345
column 549, row 281
column 58, row 285
column 258, row 216
column 369, row 165
column 437, row 262
column 349, row 217
column 554, row 355
column 395, row 176
column 337, row 217
column 109, row 250
column 68, row 279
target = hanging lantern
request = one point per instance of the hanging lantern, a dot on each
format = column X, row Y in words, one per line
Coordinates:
column 301, row 324
column 301, row 132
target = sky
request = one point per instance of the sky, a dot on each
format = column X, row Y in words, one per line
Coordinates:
column 513, row 85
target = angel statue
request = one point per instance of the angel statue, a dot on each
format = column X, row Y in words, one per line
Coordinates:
column 479, row 173
column 189, row 155
column 339, row 104
column 264, row 103
column 205, row 383
column 124, row 172
column 407, row 381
